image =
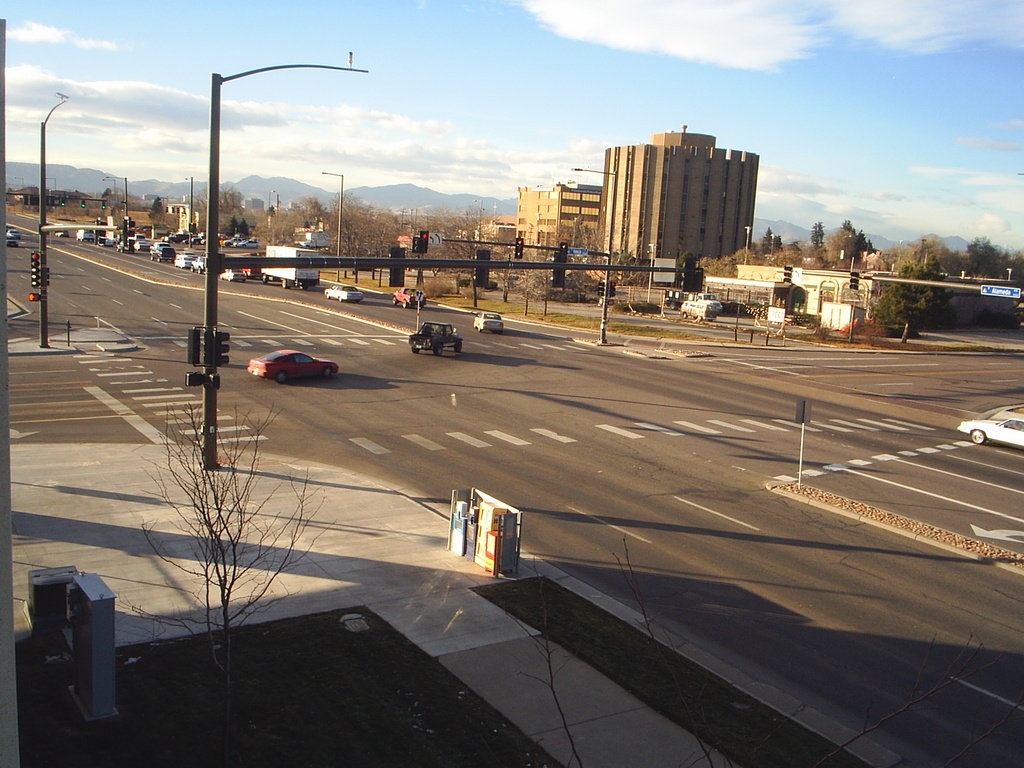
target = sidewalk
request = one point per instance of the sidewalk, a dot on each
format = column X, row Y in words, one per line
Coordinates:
column 84, row 505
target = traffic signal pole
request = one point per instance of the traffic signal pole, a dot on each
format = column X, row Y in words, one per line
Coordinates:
column 604, row 301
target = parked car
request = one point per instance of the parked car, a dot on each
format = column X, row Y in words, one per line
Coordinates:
column 198, row 263
column 161, row 252
column 344, row 293
column 232, row 275
column 489, row 321
column 287, row 364
column 1007, row 432
column 185, row 259
column 13, row 234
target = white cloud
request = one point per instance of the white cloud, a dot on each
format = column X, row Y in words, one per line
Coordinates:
column 34, row 32
column 763, row 34
column 983, row 142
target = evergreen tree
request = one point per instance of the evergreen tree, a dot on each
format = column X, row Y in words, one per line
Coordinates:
column 916, row 306
column 818, row 235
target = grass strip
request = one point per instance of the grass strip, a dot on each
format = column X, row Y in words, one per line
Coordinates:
column 747, row 731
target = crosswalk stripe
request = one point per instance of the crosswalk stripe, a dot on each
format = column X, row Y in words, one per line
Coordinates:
column 697, row 427
column 826, row 425
column 658, row 428
column 385, row 342
column 506, row 437
column 423, row 442
column 619, row 431
column 813, row 473
column 757, row 423
column 854, row 424
column 360, row 342
column 553, row 435
column 796, row 425
column 729, row 426
column 907, row 453
column 911, row 425
column 468, row 439
column 883, row 425
column 304, row 343
column 784, row 478
column 946, row 447
column 859, row 462
column 369, row 445
column 885, row 457
column 928, row 450
column 530, row 346
column 333, row 342
column 241, row 343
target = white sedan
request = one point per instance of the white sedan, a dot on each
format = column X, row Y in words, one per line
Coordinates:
column 1007, row 432
column 344, row 293
column 489, row 321
column 233, row 275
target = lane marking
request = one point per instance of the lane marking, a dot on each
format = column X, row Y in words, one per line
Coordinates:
column 423, row 442
column 962, row 477
column 982, row 691
column 618, row 528
column 505, row 436
column 618, row 431
column 131, row 418
column 764, row 425
column 883, row 425
column 553, row 435
column 826, row 425
column 795, row 425
column 697, row 427
column 369, row 445
column 910, row 424
column 659, row 428
column 730, row 426
column 719, row 514
column 854, row 424
column 468, row 439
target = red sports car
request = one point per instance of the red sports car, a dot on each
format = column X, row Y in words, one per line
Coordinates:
column 288, row 364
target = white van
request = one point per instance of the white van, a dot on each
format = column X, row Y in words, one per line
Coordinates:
column 85, row 236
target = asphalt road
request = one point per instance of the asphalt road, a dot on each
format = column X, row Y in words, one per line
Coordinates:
column 626, row 465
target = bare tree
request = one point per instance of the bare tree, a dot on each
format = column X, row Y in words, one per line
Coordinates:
column 236, row 549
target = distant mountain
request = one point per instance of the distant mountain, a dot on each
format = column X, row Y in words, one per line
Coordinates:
column 395, row 197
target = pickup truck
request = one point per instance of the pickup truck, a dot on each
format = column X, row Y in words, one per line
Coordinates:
column 435, row 337
column 409, row 297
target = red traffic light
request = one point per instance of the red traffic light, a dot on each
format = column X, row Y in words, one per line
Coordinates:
column 34, row 296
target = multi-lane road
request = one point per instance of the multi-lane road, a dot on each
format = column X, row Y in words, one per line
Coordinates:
column 657, row 460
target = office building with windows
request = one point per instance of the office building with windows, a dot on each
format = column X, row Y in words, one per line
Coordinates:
column 678, row 195
column 551, row 214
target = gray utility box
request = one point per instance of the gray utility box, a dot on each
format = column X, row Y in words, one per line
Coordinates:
column 92, row 642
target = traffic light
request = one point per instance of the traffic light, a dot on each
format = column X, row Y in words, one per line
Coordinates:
column 561, row 256
column 63, row 201
column 82, row 203
column 195, row 352
column 787, row 273
column 855, row 281
column 34, row 296
column 600, row 288
column 611, row 289
column 103, row 204
column 215, row 347
column 36, row 270
column 420, row 241
column 519, row 248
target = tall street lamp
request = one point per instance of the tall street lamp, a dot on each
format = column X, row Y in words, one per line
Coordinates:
column 191, row 201
column 608, row 257
column 214, row 260
column 44, row 319
column 341, row 202
column 127, row 218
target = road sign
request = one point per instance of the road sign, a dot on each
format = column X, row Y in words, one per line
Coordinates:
column 668, row 277
column 578, row 251
column 798, row 274
column 436, row 238
column 1000, row 290
column 776, row 314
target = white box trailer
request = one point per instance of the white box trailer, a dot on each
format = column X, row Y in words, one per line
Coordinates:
column 289, row 277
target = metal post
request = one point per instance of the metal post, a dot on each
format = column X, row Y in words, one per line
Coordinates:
column 210, row 380
column 604, row 302
column 44, row 317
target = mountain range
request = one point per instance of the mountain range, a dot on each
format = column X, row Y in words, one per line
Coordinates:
column 394, row 197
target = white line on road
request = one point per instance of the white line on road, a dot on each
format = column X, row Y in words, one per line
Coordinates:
column 553, row 435
column 962, row 477
column 796, row 425
column 911, row 425
column 618, row 528
column 826, row 425
column 883, row 425
column 619, row 431
column 130, row 417
column 369, row 445
column 698, row 427
column 854, row 424
column 936, row 495
column 764, row 425
column 659, row 428
column 730, row 426
column 719, row 514
column 506, row 437
column 468, row 439
column 981, row 690
column 423, row 442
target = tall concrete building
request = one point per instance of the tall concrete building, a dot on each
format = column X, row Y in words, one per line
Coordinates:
column 678, row 195
column 548, row 215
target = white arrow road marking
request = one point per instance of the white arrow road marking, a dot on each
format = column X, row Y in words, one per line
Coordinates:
column 1003, row 535
column 15, row 434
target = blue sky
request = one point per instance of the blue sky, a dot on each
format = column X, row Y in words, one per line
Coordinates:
column 904, row 116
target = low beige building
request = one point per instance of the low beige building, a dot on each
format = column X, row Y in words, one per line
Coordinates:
column 567, row 212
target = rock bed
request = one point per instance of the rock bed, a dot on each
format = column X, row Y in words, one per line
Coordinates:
column 915, row 527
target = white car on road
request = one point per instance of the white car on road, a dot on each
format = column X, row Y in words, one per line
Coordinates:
column 233, row 275
column 344, row 293
column 1005, row 431
column 489, row 321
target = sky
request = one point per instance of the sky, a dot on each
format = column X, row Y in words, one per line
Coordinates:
column 904, row 117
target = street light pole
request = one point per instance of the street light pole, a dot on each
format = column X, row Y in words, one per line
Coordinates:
column 44, row 317
column 211, row 380
column 191, row 201
column 611, row 235
column 341, row 202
